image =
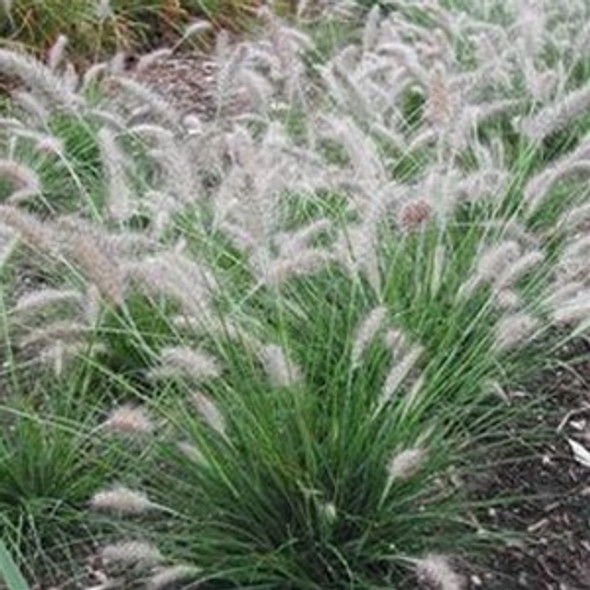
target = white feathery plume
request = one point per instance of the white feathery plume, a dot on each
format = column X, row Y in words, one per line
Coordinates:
column 395, row 340
column 514, row 330
column 539, row 186
column 290, row 244
column 194, row 29
column 32, row 105
column 408, row 59
column 56, row 52
column 239, row 237
column 575, row 217
column 579, row 247
column 174, row 275
column 518, row 269
column 371, row 29
column 472, row 116
column 415, row 214
column 493, row 261
column 70, row 77
column 328, row 511
column 112, row 120
column 45, row 298
column 413, row 395
column 531, row 25
column 507, row 299
column 154, row 102
column 405, row 464
column 60, row 352
column 437, row 571
column 573, row 309
column 259, row 89
column 170, row 577
column 210, row 413
column 366, row 332
column 38, row 77
column 440, row 102
column 197, row 27
column 191, row 452
column 128, row 420
column 304, row 263
column 279, row 368
column 26, row 183
column 121, row 501
column 174, row 159
column 136, row 554
column 560, row 293
column 229, row 64
column 556, row 116
column 62, row 331
column 92, row 74
column 8, row 244
column 48, row 145
column 119, row 200
column 188, row 362
column 118, row 64
column 98, row 266
column 103, row 9
column 399, row 371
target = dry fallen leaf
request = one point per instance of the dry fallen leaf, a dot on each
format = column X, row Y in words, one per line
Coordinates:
column 581, row 454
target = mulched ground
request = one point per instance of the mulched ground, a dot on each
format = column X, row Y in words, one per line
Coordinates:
column 554, row 513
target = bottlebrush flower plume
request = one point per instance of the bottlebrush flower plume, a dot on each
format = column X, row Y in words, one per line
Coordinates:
column 188, row 362
column 513, row 330
column 399, row 371
column 366, row 332
column 128, row 419
column 405, row 464
column 414, row 214
column 43, row 299
column 280, row 369
column 171, row 577
column 136, row 554
column 437, row 571
column 210, row 413
column 121, row 501
column 25, row 182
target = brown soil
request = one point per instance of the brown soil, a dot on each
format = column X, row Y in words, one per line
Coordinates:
column 554, row 514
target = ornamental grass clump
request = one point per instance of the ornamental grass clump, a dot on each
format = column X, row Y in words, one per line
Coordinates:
column 302, row 307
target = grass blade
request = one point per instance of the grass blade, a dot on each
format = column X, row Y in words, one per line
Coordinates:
column 9, row 572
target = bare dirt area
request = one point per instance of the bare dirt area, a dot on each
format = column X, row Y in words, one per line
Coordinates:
column 554, row 512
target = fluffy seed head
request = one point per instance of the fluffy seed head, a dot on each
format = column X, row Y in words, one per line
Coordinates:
column 167, row 578
column 415, row 214
column 399, row 371
column 192, row 452
column 513, row 330
column 280, row 369
column 187, row 362
column 128, row 419
column 100, row 268
column 210, row 413
column 436, row 570
column 43, row 299
column 24, row 180
column 121, row 501
column 406, row 463
column 367, row 331
column 136, row 554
